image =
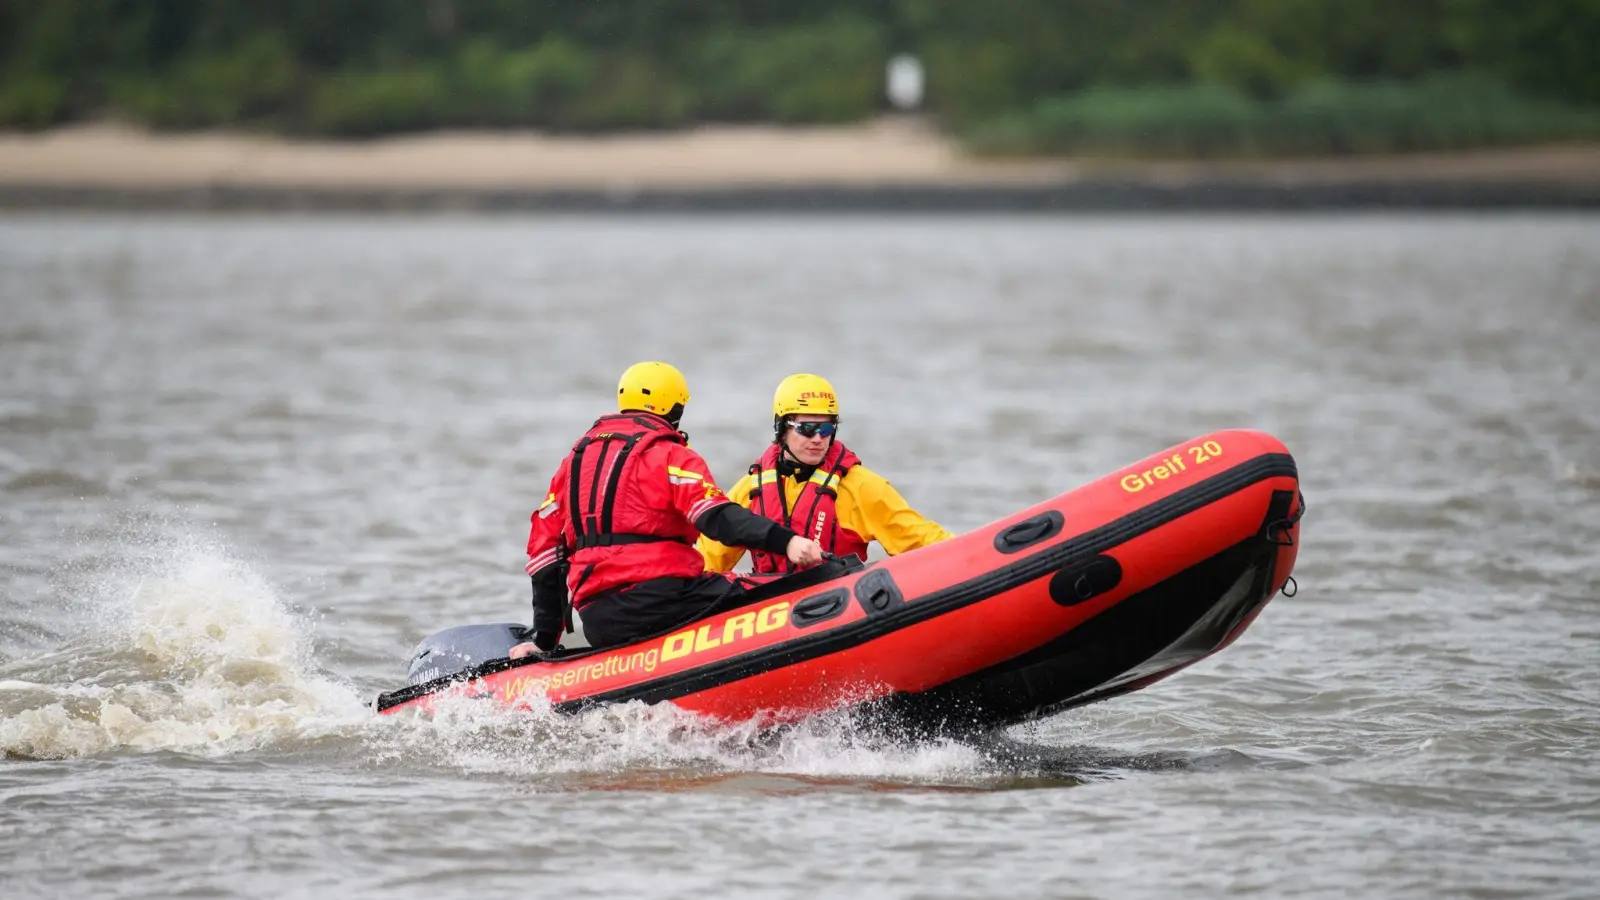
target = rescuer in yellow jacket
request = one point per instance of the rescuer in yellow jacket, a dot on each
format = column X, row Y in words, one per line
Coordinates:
column 808, row 481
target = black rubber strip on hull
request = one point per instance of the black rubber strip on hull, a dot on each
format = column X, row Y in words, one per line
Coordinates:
column 1181, row 619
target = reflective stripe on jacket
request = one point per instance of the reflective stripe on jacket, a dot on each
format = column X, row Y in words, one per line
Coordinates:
column 814, row 512
column 866, row 505
column 622, row 507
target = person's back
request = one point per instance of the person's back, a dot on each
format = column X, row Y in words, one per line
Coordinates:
column 810, row 482
column 621, row 519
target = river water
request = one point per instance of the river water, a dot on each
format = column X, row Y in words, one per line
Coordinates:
column 246, row 463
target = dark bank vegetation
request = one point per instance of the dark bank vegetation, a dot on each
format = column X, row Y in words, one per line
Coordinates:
column 1166, row 77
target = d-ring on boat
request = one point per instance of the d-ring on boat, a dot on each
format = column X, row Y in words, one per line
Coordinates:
column 1103, row 590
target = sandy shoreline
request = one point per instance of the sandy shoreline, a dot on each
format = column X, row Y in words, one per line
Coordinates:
column 888, row 164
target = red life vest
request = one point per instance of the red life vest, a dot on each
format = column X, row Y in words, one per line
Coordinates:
column 815, row 514
column 622, row 529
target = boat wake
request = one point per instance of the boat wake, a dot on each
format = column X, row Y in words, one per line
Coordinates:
column 193, row 652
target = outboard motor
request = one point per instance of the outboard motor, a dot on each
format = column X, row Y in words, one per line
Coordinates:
column 455, row 649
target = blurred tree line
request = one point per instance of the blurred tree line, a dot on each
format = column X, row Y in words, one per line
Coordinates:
column 1164, row 76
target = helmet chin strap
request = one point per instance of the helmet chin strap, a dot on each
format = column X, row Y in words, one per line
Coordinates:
column 798, row 467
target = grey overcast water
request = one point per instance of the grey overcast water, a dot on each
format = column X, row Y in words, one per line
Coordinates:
column 247, row 462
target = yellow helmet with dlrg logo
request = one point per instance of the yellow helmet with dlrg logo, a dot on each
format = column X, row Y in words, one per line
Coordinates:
column 653, row 387
column 802, row 394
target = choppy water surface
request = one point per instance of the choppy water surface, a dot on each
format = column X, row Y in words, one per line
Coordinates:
column 246, row 463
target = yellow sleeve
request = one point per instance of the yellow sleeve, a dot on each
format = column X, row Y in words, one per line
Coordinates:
column 882, row 515
column 720, row 557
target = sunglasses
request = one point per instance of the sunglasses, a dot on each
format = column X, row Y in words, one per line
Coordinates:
column 813, row 429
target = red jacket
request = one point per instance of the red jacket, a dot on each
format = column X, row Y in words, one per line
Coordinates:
column 623, row 524
column 814, row 514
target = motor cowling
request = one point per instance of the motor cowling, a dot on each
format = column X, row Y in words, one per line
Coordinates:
column 458, row 649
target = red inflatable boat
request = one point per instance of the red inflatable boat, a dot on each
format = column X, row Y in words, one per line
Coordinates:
column 1103, row 590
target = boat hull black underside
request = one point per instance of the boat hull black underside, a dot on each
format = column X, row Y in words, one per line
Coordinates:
column 1144, row 637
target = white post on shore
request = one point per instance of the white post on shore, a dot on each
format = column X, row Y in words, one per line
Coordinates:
column 904, row 77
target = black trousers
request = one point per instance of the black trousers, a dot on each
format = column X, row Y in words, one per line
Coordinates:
column 650, row 607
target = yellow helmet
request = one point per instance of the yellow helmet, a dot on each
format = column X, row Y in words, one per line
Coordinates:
column 653, row 387
column 805, row 393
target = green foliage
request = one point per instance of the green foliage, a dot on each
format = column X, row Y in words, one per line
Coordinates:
column 830, row 71
column 631, row 93
column 32, row 101
column 1321, row 118
column 1200, row 121
column 972, row 81
column 1247, row 62
column 251, row 84
column 1547, row 46
column 1212, row 76
column 540, row 86
column 986, row 58
column 368, row 104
